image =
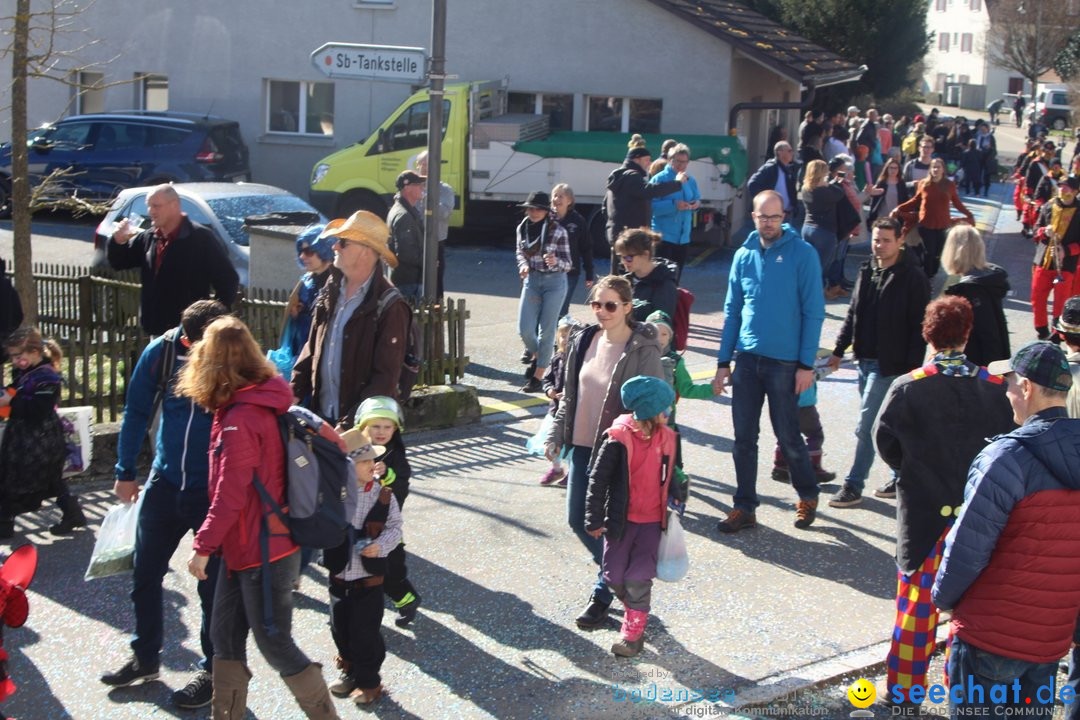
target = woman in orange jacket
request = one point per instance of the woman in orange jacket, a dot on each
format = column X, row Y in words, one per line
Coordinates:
column 929, row 208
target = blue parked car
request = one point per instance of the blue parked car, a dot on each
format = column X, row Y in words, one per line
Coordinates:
column 109, row 152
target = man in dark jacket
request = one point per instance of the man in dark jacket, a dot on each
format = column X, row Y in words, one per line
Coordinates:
column 359, row 325
column 628, row 200
column 175, row 499
column 1011, row 568
column 779, row 173
column 932, row 424
column 884, row 326
column 407, row 235
column 11, row 313
column 181, row 261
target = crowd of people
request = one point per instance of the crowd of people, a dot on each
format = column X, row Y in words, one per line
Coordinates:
column 613, row 383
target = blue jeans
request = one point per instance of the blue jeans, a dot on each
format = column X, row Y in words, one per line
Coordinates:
column 872, row 389
column 167, row 514
column 976, row 670
column 576, row 484
column 571, row 286
column 824, row 241
column 756, row 377
column 542, row 297
column 238, row 608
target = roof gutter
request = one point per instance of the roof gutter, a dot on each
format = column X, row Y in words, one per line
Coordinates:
column 806, row 101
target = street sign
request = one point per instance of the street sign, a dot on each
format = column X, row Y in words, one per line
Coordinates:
column 371, row 62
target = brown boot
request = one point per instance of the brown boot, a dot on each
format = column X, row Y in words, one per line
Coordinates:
column 313, row 697
column 231, row 679
column 805, row 512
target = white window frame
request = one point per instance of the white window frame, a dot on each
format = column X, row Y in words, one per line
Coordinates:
column 301, row 112
column 82, row 89
column 141, row 80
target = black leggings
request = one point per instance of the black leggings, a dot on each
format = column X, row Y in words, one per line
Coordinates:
column 933, row 243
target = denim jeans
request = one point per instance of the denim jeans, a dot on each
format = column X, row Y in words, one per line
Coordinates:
column 756, row 377
column 167, row 514
column 542, row 297
column 976, row 669
column 576, row 484
column 571, row 286
column 238, row 608
column 824, row 241
column 872, row 389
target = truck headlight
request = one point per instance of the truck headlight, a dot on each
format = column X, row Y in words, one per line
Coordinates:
column 319, row 173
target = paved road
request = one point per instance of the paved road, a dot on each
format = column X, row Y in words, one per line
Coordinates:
column 760, row 613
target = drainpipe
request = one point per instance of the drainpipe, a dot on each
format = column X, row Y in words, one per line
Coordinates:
column 806, row 102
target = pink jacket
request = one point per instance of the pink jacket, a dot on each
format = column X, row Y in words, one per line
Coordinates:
column 244, row 442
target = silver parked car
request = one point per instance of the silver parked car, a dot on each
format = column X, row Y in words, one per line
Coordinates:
column 221, row 206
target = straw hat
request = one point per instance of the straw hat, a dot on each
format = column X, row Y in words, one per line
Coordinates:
column 365, row 228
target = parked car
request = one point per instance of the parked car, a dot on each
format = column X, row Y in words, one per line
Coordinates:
column 223, row 207
column 1052, row 107
column 109, row 152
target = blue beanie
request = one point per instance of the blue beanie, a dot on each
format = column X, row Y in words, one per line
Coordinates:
column 323, row 247
column 646, row 396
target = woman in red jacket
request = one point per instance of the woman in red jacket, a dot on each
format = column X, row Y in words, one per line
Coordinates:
column 929, row 208
column 229, row 376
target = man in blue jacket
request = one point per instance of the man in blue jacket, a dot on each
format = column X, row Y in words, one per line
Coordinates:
column 1011, row 567
column 175, row 499
column 773, row 315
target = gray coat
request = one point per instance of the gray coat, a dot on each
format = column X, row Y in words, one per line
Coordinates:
column 407, row 242
column 641, row 357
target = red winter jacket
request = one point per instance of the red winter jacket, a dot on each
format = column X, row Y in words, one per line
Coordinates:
column 245, row 441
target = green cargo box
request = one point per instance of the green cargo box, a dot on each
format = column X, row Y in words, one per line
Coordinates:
column 724, row 151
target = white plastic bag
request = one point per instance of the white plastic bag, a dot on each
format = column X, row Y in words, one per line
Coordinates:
column 114, row 551
column 672, row 562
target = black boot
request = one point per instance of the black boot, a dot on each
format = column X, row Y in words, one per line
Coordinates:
column 1042, row 332
column 73, row 516
column 7, row 528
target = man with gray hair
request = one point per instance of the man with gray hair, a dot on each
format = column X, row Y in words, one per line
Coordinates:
column 779, row 173
column 181, row 261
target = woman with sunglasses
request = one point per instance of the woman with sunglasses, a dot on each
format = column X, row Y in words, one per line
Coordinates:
column 652, row 279
column 599, row 359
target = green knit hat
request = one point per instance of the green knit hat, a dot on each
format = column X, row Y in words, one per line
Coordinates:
column 379, row 406
column 659, row 317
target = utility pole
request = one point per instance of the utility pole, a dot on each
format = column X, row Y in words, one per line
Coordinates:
column 436, row 76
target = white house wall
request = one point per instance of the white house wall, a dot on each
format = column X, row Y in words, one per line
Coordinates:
column 218, row 56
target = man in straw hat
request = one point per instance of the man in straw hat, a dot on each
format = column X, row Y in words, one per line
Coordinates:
column 359, row 326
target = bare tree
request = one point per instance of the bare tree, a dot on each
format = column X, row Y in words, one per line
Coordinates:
column 1026, row 36
column 46, row 40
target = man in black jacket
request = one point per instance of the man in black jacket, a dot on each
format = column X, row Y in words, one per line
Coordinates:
column 768, row 177
column 884, row 324
column 407, row 235
column 628, row 200
column 180, row 261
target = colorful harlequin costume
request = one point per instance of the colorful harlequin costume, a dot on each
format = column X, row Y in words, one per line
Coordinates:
column 15, row 576
column 1058, row 225
column 932, row 424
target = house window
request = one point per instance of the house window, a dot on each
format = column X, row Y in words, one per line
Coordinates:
column 976, row 5
column 151, row 92
column 300, row 107
column 559, row 108
column 939, row 84
column 965, row 42
column 89, row 93
column 942, row 6
column 964, row 79
column 627, row 115
column 943, row 42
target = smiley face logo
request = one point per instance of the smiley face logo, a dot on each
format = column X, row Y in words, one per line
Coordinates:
column 862, row 693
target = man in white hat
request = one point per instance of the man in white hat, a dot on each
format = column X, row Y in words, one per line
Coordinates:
column 359, row 325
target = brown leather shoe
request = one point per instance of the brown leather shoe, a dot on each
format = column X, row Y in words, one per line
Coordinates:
column 366, row 696
column 736, row 521
column 805, row 512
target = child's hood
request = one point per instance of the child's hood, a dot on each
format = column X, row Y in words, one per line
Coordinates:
column 623, row 428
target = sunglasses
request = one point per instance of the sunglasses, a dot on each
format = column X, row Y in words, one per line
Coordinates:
column 611, row 306
column 307, row 251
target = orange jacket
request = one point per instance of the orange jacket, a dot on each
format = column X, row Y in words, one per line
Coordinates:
column 929, row 206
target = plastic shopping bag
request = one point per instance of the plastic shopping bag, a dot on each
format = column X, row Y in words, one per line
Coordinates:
column 114, row 551
column 672, row 562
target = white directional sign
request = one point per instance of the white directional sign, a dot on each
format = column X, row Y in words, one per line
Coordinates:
column 371, row 62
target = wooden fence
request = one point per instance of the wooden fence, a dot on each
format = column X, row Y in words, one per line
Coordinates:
column 93, row 315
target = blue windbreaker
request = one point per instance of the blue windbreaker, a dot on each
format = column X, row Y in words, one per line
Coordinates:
column 673, row 224
column 183, row 437
column 775, row 305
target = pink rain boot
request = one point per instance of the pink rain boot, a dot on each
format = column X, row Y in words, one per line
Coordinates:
column 633, row 634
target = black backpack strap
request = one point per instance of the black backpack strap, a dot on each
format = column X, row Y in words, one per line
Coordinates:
column 166, row 366
column 390, row 296
column 264, row 547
